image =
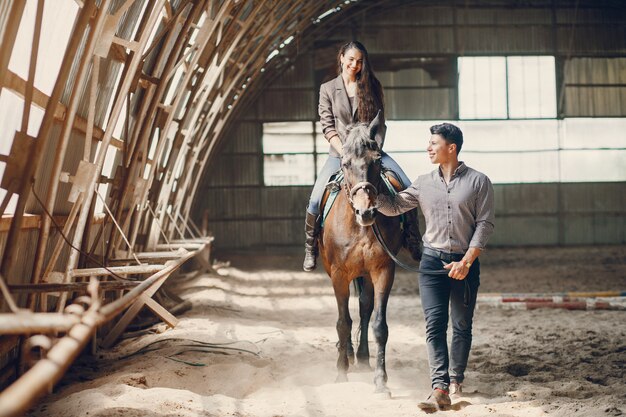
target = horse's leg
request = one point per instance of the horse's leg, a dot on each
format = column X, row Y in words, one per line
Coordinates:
column 382, row 287
column 344, row 325
column 358, row 289
column 366, row 306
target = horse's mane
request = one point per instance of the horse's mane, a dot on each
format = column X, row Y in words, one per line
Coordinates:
column 358, row 142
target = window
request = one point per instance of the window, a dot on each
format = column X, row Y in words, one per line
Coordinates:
column 289, row 153
column 513, row 87
column 508, row 151
column 507, row 108
column 522, row 151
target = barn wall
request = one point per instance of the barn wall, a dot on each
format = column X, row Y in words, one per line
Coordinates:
column 416, row 48
column 244, row 213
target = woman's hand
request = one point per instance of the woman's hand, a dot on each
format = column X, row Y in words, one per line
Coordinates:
column 335, row 142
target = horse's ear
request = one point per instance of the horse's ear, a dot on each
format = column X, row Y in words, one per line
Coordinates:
column 374, row 126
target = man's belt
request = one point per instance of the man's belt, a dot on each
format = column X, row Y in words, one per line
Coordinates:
column 444, row 256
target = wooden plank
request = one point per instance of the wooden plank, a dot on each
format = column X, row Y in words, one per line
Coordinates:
column 153, row 12
column 10, row 34
column 120, row 270
column 131, row 313
column 71, row 286
column 188, row 246
column 33, row 221
column 18, row 86
column 29, row 323
column 160, row 311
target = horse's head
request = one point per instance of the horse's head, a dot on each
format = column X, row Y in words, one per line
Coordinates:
column 361, row 169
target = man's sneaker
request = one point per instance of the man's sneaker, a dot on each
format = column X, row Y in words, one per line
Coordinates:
column 456, row 388
column 439, row 399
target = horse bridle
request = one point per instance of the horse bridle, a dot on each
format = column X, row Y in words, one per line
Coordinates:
column 363, row 185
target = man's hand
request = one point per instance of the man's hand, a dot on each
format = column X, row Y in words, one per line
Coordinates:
column 458, row 270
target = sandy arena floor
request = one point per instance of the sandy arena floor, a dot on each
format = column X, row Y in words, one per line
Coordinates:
column 268, row 333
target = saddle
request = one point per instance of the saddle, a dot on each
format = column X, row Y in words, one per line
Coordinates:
column 334, row 186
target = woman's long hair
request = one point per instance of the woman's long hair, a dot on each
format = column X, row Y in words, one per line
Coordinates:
column 369, row 91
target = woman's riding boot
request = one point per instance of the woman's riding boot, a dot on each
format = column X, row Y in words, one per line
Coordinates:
column 412, row 236
column 311, row 230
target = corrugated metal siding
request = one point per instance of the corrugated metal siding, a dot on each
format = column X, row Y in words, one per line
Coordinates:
column 22, row 271
column 283, row 232
column 501, row 16
column 523, row 231
column 425, row 39
column 232, row 203
column 506, row 40
column 526, row 199
column 5, row 10
column 593, row 229
column 420, row 104
column 595, row 70
column 287, row 105
column 71, row 80
column 245, row 138
column 284, row 201
column 597, row 14
column 239, row 234
column 410, row 77
column 43, row 170
column 567, row 214
column 413, row 15
column 589, row 198
column 591, row 40
column 298, row 75
column 236, row 170
column 589, row 90
column 597, row 101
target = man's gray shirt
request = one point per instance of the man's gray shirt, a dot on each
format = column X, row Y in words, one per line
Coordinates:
column 459, row 215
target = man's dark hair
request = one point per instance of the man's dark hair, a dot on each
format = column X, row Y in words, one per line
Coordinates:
column 450, row 133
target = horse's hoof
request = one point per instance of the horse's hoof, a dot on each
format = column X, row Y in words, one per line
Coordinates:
column 341, row 378
column 364, row 367
column 382, row 393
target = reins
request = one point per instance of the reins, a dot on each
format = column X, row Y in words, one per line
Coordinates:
column 380, row 239
column 379, row 236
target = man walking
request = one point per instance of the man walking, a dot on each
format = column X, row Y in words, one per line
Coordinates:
column 458, row 205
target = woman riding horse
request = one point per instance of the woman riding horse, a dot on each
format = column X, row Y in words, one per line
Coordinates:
column 355, row 95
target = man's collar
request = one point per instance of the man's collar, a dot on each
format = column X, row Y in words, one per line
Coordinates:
column 458, row 171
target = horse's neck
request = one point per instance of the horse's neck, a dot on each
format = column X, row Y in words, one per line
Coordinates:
column 345, row 213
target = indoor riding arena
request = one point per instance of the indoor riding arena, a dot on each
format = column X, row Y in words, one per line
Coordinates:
column 157, row 158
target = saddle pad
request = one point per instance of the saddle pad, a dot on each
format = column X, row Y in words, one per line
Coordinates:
column 330, row 194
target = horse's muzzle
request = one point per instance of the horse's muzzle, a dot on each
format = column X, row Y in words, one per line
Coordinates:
column 366, row 217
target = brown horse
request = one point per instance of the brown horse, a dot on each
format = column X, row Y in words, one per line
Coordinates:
column 349, row 250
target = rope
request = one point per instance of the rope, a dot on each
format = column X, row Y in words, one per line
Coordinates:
column 197, row 346
column 119, row 229
column 59, row 229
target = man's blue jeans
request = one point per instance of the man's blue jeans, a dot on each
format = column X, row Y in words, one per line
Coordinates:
column 332, row 165
column 438, row 293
